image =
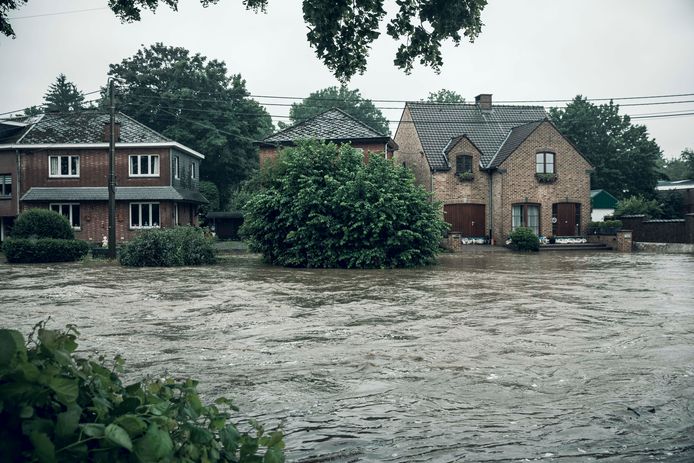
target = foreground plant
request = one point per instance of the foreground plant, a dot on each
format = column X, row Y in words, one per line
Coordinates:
column 58, row 407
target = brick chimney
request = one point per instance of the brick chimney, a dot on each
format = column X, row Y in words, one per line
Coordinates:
column 107, row 131
column 484, row 101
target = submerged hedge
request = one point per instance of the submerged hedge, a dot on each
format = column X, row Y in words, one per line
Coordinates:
column 41, row 250
column 58, row 407
column 42, row 223
column 170, row 247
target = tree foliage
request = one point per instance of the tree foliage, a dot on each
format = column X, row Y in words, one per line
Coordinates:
column 624, row 157
column 192, row 100
column 350, row 101
column 323, row 206
column 42, row 223
column 342, row 31
column 680, row 168
column 63, row 96
column 638, row 205
column 445, row 96
column 58, row 407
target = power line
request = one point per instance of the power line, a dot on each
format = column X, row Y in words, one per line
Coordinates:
column 56, row 13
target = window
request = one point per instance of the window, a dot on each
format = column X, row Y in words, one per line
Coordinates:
column 175, row 214
column 71, row 211
column 463, row 164
column 5, row 186
column 144, row 165
column 144, row 215
column 544, row 163
column 63, row 166
column 526, row 215
column 194, row 170
column 176, row 167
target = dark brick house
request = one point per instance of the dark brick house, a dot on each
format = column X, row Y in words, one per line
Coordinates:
column 333, row 125
column 59, row 161
column 496, row 167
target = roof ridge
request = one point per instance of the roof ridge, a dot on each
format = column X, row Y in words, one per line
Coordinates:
column 144, row 126
column 360, row 122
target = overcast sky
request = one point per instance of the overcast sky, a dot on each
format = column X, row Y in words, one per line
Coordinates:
column 528, row 50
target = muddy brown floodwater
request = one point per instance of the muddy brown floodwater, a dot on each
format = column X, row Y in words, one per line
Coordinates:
column 484, row 357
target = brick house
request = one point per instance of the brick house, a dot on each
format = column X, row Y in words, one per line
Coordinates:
column 495, row 168
column 59, row 161
column 333, row 125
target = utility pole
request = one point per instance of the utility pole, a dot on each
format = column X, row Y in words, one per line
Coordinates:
column 112, row 177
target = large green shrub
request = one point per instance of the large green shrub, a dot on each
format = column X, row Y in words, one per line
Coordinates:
column 322, row 206
column 58, row 407
column 638, row 205
column 524, row 239
column 168, row 248
column 31, row 250
column 42, row 223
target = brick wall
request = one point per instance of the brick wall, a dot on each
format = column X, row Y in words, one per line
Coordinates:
column 515, row 182
column 8, row 165
column 410, row 151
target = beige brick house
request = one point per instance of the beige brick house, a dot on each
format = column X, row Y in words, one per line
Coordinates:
column 60, row 161
column 495, row 168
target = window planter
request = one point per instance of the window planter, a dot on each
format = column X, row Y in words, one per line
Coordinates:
column 546, row 178
column 465, row 176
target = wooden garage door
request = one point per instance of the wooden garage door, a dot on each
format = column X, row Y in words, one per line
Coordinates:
column 466, row 219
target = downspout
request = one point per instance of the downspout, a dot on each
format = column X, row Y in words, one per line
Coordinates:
column 490, row 172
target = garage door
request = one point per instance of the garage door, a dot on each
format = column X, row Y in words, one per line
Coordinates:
column 466, row 219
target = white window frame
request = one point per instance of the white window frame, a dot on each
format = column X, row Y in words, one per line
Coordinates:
column 59, row 157
column 139, row 165
column 177, row 167
column 194, row 170
column 141, row 208
column 71, row 213
column 175, row 214
column 5, row 179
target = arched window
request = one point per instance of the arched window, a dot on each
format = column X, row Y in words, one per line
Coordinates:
column 544, row 163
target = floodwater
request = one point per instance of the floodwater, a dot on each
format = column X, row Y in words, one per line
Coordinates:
column 488, row 356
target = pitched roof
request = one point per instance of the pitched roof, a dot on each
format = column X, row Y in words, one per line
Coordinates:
column 515, row 137
column 333, row 124
column 84, row 127
column 438, row 123
column 155, row 193
column 664, row 185
column 602, row 199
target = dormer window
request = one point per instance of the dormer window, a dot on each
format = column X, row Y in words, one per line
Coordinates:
column 544, row 163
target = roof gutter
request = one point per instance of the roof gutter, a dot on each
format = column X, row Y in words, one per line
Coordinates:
column 44, row 146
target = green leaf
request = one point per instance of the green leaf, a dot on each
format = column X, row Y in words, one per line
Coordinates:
column 230, row 437
column 154, row 445
column 133, row 424
column 94, row 429
column 274, row 455
column 26, row 412
column 11, row 347
column 68, row 421
column 118, row 436
column 66, row 389
column 43, row 447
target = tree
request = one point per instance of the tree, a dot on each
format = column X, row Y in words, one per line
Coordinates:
column 193, row 101
column 342, row 31
column 638, row 205
column 445, row 96
column 350, row 101
column 680, row 168
column 624, row 157
column 323, row 206
column 63, row 96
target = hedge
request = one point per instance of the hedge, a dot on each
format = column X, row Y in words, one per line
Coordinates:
column 42, row 223
column 169, row 248
column 524, row 239
column 41, row 250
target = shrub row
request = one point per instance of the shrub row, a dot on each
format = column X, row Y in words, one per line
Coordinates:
column 171, row 247
column 40, row 250
column 524, row 239
column 58, row 407
column 42, row 223
column 606, row 224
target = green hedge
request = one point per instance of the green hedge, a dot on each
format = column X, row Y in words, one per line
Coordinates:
column 58, row 407
column 42, row 223
column 26, row 251
column 169, row 248
column 524, row 239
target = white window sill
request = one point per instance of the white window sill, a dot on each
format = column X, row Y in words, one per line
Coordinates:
column 144, row 228
column 144, row 175
column 63, row 176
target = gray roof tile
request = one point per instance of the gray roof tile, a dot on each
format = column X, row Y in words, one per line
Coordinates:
column 155, row 193
column 438, row 123
column 515, row 137
column 84, row 127
column 333, row 124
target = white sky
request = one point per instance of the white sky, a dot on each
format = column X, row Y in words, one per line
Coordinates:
column 528, row 50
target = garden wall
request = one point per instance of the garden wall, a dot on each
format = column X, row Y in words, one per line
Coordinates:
column 660, row 231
